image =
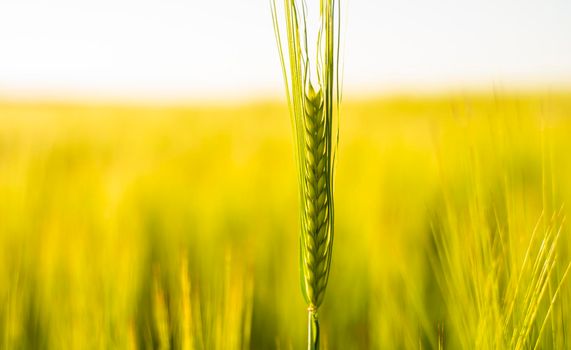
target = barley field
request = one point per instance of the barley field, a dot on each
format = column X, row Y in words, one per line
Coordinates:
column 159, row 227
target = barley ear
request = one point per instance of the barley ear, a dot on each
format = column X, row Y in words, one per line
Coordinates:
column 311, row 76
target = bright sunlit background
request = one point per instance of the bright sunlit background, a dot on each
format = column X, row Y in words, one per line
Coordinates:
column 210, row 49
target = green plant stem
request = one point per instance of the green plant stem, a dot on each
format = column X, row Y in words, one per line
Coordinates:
column 312, row 330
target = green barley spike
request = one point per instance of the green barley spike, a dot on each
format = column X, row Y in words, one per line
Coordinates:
column 314, row 109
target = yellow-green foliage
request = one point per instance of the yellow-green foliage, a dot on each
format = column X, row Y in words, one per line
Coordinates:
column 134, row 228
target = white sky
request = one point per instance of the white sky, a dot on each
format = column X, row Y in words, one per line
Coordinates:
column 213, row 48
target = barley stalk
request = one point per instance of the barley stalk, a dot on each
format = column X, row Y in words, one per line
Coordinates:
column 313, row 93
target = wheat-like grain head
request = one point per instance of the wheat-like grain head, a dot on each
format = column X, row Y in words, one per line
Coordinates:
column 311, row 77
column 316, row 237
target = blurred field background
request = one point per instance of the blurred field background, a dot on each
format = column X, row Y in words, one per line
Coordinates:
column 126, row 227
